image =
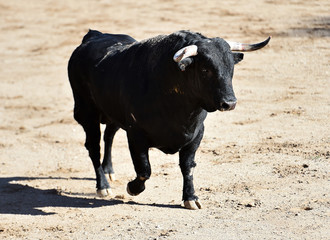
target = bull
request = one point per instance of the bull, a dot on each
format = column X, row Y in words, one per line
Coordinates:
column 158, row 90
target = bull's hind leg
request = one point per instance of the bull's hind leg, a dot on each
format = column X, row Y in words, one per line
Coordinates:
column 109, row 134
column 89, row 119
column 187, row 165
column 92, row 144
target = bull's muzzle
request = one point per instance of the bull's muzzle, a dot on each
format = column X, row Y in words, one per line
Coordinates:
column 227, row 106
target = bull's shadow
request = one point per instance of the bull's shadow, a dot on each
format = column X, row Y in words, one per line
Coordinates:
column 16, row 198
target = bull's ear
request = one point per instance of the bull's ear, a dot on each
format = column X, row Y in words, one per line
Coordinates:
column 184, row 63
column 238, row 57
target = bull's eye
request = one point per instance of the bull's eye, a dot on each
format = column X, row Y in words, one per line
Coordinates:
column 207, row 73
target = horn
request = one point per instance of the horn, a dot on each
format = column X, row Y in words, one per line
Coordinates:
column 185, row 52
column 244, row 47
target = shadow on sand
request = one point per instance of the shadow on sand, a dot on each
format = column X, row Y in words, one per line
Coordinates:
column 17, row 198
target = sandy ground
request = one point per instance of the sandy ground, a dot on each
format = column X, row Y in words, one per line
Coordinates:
column 263, row 169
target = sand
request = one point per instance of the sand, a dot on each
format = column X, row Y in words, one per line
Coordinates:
column 262, row 169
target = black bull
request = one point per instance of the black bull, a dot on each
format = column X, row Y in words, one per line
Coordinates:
column 158, row 94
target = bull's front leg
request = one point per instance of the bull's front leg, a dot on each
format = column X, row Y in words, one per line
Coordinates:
column 187, row 165
column 139, row 148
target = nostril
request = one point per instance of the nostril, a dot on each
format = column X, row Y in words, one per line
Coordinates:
column 225, row 106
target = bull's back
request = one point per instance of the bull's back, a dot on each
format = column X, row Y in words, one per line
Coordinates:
column 95, row 45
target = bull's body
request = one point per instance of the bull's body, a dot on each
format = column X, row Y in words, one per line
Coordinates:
column 137, row 86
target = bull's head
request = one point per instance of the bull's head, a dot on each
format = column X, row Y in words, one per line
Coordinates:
column 214, row 61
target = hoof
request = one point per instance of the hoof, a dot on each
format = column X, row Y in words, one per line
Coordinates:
column 135, row 187
column 193, row 205
column 104, row 192
column 130, row 193
column 112, row 177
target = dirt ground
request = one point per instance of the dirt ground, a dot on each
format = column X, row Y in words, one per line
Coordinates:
column 263, row 169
